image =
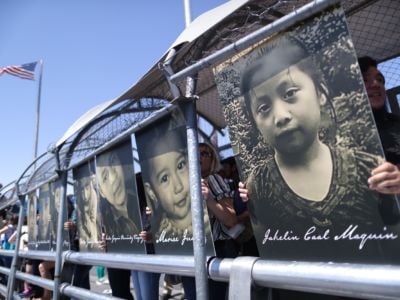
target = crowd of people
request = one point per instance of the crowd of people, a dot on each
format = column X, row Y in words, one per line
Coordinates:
column 226, row 196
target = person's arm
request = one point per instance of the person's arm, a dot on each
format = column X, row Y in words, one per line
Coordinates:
column 69, row 225
column 385, row 179
column 12, row 238
column 223, row 209
column 146, row 236
column 4, row 229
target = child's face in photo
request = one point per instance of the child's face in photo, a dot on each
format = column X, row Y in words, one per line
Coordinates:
column 31, row 216
column 89, row 200
column 111, row 179
column 286, row 109
column 57, row 199
column 46, row 216
column 170, row 183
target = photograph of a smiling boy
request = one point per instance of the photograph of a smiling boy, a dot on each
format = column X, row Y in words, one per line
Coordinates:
column 88, row 218
column 302, row 182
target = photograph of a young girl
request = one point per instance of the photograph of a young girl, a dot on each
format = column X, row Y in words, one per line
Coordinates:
column 32, row 221
column 44, row 222
column 162, row 150
column 88, row 215
column 55, row 204
column 306, row 146
column 118, row 199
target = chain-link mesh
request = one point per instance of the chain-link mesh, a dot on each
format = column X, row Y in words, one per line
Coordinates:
column 391, row 70
column 372, row 23
column 40, row 172
column 8, row 195
column 111, row 123
column 374, row 29
column 100, row 131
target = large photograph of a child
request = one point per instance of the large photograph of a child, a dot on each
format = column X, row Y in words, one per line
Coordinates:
column 55, row 206
column 88, row 213
column 162, row 149
column 44, row 222
column 118, row 200
column 32, row 221
column 305, row 140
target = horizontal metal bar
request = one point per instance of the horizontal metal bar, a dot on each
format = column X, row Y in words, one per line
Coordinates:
column 45, row 283
column 352, row 280
column 180, row 265
column 3, row 290
column 7, row 252
column 252, row 38
column 220, row 269
column 38, row 254
column 4, row 270
column 342, row 279
column 65, row 288
column 83, row 294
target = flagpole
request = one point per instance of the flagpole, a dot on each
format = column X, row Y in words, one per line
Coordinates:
column 38, row 110
column 188, row 13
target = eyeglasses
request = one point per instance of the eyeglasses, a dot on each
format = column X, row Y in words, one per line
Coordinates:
column 205, row 154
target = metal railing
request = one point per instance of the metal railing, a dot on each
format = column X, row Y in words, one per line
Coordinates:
column 341, row 279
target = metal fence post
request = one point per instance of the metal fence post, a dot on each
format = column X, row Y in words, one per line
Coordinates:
column 60, row 229
column 14, row 264
column 199, row 248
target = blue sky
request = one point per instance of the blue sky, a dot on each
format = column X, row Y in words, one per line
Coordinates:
column 93, row 51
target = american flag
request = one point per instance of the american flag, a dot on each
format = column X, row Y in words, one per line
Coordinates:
column 25, row 71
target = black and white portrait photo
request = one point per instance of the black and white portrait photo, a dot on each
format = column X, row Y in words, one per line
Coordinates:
column 162, row 149
column 306, row 143
column 88, row 214
column 32, row 221
column 45, row 219
column 118, row 201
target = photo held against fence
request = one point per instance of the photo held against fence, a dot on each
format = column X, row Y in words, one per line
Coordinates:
column 257, row 159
